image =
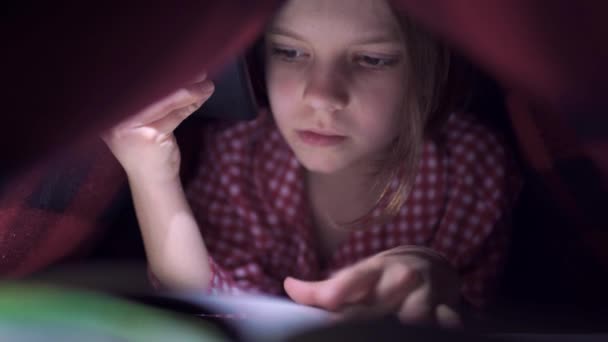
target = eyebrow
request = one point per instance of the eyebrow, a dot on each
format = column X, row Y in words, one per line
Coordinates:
column 285, row 32
column 376, row 38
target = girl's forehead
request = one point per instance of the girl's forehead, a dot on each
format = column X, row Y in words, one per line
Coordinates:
column 374, row 16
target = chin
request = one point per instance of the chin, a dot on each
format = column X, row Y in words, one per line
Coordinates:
column 318, row 164
column 321, row 160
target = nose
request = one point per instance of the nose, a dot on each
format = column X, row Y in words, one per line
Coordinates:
column 326, row 91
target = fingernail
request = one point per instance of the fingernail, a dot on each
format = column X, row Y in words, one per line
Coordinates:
column 200, row 77
column 207, row 86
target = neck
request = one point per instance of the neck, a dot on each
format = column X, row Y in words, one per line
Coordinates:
column 342, row 196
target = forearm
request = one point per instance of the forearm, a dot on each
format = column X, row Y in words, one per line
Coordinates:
column 174, row 246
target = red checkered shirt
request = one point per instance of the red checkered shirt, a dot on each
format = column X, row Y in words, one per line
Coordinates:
column 250, row 202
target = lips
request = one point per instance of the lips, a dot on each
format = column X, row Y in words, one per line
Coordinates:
column 320, row 139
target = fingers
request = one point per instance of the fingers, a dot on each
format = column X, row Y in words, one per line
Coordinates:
column 303, row 292
column 447, row 317
column 196, row 93
column 349, row 286
column 375, row 287
column 353, row 285
column 400, row 291
column 169, row 123
column 418, row 307
column 422, row 307
column 396, row 283
column 200, row 77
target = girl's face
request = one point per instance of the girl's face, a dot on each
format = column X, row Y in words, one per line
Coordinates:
column 336, row 80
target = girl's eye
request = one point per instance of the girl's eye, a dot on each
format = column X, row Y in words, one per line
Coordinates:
column 375, row 62
column 288, row 54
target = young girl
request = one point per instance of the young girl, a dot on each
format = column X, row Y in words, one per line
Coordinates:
column 360, row 190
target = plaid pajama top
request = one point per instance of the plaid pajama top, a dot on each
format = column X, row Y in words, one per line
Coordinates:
column 248, row 197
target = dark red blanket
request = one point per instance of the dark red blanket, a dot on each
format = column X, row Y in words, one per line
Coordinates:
column 70, row 69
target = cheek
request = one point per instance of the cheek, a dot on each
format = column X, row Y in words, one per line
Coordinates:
column 282, row 91
column 381, row 105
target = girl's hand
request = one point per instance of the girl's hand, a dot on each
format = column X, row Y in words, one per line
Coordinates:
column 412, row 282
column 145, row 145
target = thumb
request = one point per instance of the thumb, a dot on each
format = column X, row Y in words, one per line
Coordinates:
column 303, row 292
column 322, row 294
column 350, row 286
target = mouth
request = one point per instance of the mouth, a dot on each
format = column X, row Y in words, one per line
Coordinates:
column 319, row 139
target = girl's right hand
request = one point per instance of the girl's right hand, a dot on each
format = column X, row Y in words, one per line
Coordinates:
column 145, row 145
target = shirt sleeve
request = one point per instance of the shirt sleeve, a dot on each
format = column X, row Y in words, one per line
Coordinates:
column 474, row 231
column 222, row 280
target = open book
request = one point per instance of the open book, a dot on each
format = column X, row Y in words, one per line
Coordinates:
column 251, row 317
column 32, row 312
column 38, row 312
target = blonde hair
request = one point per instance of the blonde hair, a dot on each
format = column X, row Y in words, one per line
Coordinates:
column 429, row 98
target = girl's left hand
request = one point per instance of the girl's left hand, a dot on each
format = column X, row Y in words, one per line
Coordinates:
column 412, row 282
